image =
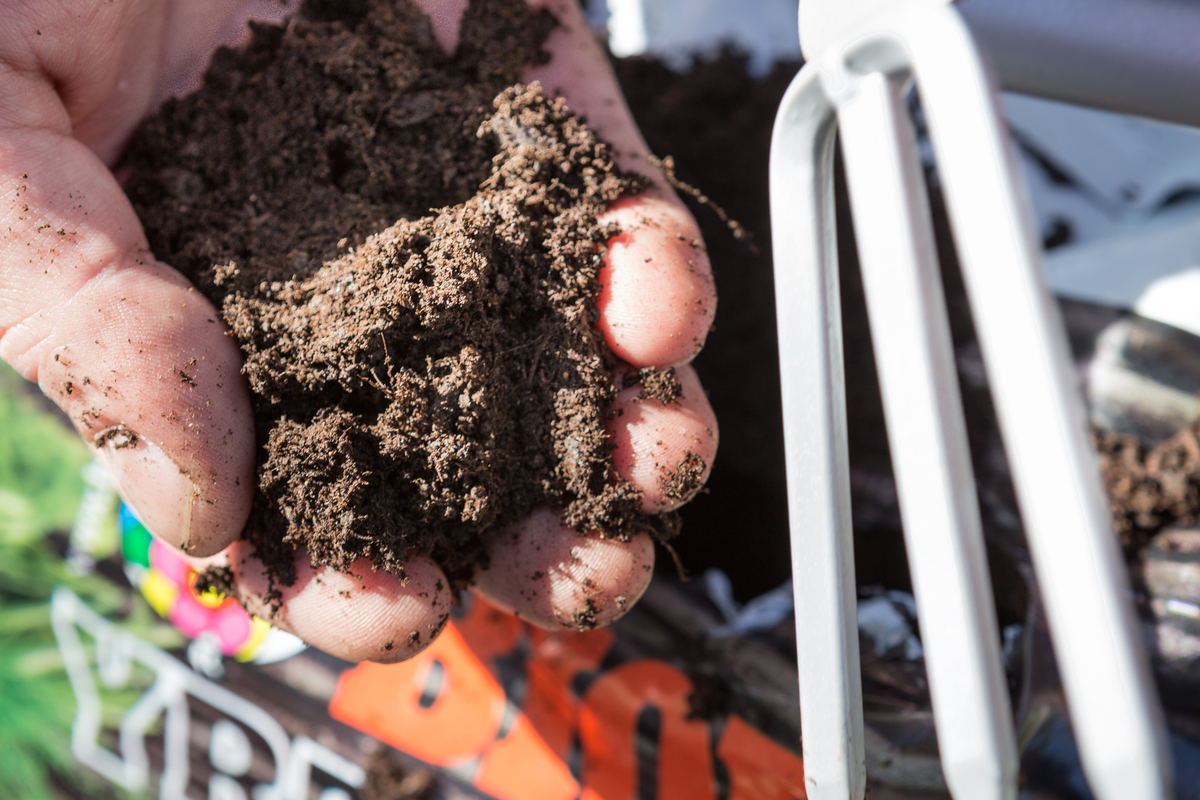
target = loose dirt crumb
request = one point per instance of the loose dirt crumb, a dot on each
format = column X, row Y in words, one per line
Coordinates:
column 387, row 780
column 119, row 436
column 680, row 483
column 658, row 384
column 217, row 579
column 585, row 618
column 419, row 384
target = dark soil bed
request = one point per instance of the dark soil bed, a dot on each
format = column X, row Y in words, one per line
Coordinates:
column 715, row 120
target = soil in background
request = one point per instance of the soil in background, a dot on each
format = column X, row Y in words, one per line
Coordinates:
column 420, row 384
column 1150, row 489
column 715, row 121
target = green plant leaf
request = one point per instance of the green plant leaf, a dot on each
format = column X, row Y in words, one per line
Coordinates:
column 40, row 463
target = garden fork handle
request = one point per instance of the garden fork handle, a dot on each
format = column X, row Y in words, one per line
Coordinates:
column 852, row 46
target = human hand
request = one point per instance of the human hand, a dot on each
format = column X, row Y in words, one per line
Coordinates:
column 87, row 312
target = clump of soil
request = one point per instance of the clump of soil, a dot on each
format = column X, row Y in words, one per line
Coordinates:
column 418, row 384
column 682, row 481
column 657, row 384
column 217, row 579
column 1149, row 490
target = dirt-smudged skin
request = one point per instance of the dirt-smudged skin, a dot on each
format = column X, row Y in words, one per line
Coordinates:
column 684, row 479
column 657, row 384
column 420, row 384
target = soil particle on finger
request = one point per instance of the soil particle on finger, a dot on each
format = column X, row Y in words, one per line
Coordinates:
column 657, row 384
column 586, row 618
column 119, row 437
column 682, row 482
column 218, row 579
column 421, row 379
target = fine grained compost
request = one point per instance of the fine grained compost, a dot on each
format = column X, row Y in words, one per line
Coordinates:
column 417, row 384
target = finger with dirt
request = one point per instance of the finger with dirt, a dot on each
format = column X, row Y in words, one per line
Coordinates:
column 664, row 449
column 551, row 576
column 362, row 614
column 658, row 297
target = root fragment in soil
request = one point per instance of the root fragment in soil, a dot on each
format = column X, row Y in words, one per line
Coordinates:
column 739, row 231
column 420, row 379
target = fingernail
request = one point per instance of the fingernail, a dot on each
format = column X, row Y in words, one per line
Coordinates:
column 149, row 481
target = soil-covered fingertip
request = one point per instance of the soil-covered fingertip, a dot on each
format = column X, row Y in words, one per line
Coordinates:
column 556, row 579
column 360, row 614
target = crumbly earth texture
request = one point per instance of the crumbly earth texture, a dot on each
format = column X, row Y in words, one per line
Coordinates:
column 657, row 384
column 1150, row 489
column 218, row 579
column 418, row 384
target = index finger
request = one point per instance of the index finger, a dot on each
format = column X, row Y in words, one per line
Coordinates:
column 658, row 298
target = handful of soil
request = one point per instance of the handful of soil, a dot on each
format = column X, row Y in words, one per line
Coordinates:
column 417, row 384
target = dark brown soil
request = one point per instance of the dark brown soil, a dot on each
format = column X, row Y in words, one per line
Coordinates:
column 1149, row 490
column 418, row 384
column 217, row 579
column 119, row 436
column 682, row 481
column 657, row 384
column 715, row 121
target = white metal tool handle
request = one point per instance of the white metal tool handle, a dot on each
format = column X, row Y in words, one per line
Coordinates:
column 814, row 421
column 1080, row 572
column 934, row 478
column 1113, row 706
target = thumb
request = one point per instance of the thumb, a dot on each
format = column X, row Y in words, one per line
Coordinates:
column 134, row 355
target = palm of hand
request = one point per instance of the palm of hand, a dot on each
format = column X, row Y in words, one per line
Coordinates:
column 87, row 312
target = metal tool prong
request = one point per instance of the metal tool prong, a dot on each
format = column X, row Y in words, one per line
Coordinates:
column 858, row 54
